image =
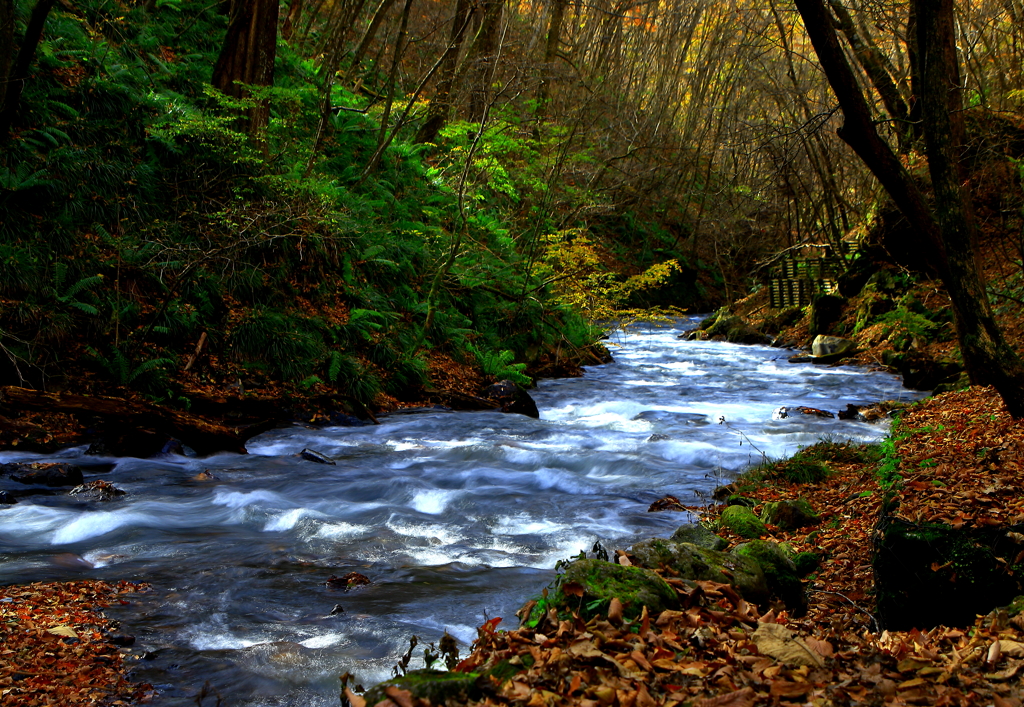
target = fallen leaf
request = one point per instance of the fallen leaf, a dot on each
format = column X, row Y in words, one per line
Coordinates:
column 779, row 642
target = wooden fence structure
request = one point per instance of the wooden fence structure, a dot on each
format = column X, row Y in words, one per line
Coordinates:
column 793, row 281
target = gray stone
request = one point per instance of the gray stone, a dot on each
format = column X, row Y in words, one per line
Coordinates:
column 689, row 561
column 831, row 346
column 700, row 536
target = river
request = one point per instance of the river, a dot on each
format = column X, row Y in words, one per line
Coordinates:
column 455, row 517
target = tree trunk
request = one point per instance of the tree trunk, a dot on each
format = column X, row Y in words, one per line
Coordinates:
column 441, row 103
column 988, row 358
column 948, row 232
column 247, row 55
column 550, row 54
column 19, row 73
column 6, row 43
column 371, row 31
column 483, row 57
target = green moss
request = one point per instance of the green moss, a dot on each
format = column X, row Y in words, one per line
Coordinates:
column 601, row 581
column 700, row 536
column 779, row 570
column 742, row 521
column 689, row 561
column 789, row 515
column 435, row 685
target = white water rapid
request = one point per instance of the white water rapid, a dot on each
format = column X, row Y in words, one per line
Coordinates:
column 455, row 517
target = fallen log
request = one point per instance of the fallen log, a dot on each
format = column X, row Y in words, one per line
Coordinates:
column 203, row 436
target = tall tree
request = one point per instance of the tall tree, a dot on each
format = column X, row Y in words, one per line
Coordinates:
column 247, row 55
column 441, row 102
column 949, row 229
column 15, row 80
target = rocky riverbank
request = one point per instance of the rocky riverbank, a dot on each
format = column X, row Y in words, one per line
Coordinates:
column 681, row 622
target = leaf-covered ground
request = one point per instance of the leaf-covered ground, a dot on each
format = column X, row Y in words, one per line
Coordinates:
column 959, row 457
column 55, row 646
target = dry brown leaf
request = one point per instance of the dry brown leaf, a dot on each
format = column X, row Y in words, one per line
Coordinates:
column 615, row 611
column 739, row 698
column 402, row 698
column 782, row 644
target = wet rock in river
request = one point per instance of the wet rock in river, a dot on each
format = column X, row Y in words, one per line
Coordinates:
column 512, row 398
column 7, row 499
column 43, row 474
column 315, row 456
column 98, row 491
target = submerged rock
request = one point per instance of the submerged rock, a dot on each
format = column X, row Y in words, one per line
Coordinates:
column 690, row 561
column 7, row 498
column 49, row 474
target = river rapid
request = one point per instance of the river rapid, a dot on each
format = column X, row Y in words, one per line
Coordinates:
column 456, row 517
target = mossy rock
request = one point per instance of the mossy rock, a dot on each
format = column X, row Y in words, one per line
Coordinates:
column 602, row 581
column 691, row 561
column 742, row 521
column 789, row 515
column 806, row 562
column 780, row 572
column 734, row 330
column 438, row 686
column 1016, row 606
column 738, row 500
column 700, row 536
column 933, row 574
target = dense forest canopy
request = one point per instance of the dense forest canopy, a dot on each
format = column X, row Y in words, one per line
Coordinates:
column 350, row 197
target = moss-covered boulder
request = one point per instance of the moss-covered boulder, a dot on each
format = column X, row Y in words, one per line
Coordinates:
column 780, row 572
column 691, row 561
column 700, row 536
column 789, row 515
column 733, row 329
column 435, row 685
column 742, row 521
column 587, row 586
column 932, row 574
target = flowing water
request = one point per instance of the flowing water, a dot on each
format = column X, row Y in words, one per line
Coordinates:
column 456, row 517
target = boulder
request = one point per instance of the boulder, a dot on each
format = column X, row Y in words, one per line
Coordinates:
column 735, row 330
column 831, row 346
column 780, row 572
column 587, row 586
column 7, row 498
column 43, row 474
column 511, row 398
column 690, row 561
column 700, row 536
column 98, row 490
column 317, row 457
column 742, row 521
column 932, row 574
column 438, row 686
column 789, row 515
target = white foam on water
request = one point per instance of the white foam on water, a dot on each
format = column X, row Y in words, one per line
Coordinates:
column 522, row 524
column 288, row 519
column 243, row 499
column 339, row 530
column 96, row 523
column 432, row 501
column 324, row 640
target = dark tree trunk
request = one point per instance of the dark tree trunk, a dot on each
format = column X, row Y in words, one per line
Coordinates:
column 291, row 19
column 248, row 54
column 19, row 72
column 988, row 358
column 948, row 232
column 6, row 43
column 441, row 102
column 484, row 56
column 550, row 54
column 371, row 31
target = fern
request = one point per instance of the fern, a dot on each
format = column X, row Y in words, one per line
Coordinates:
column 122, row 369
column 22, row 177
column 499, row 365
